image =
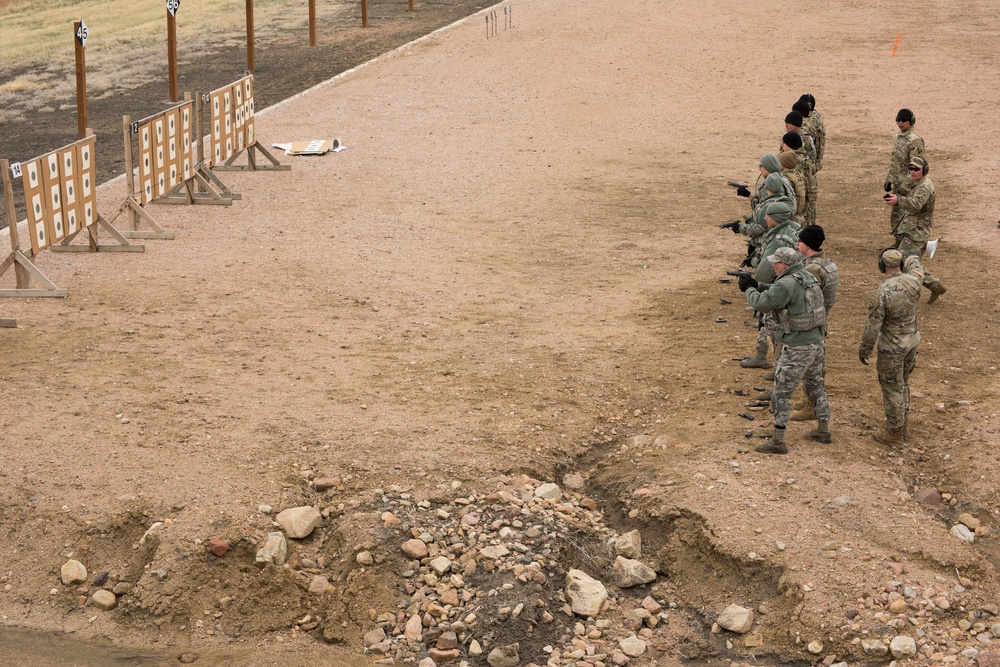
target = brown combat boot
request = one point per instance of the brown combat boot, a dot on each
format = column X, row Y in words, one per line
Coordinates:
column 803, row 414
column 765, row 395
column 756, row 361
column 890, row 436
column 771, row 446
column 817, row 435
column 936, row 290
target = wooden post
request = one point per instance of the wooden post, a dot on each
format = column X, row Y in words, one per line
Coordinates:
column 250, row 59
column 364, row 13
column 411, row 6
column 80, row 33
column 21, row 275
column 172, row 51
column 312, row 22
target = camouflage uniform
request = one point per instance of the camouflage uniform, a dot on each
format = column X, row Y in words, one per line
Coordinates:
column 807, row 171
column 907, row 146
column 784, row 235
column 916, row 216
column 892, row 320
column 790, row 171
column 803, row 356
column 827, row 275
column 813, row 124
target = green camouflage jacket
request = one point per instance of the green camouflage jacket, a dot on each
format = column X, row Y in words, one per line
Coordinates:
column 892, row 315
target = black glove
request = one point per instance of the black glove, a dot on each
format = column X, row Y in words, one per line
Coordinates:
column 747, row 282
column 742, row 191
column 863, row 358
column 735, row 227
column 888, row 186
column 747, row 261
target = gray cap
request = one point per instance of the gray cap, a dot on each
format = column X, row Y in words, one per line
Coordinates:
column 787, row 256
column 778, row 211
column 773, row 181
column 771, row 163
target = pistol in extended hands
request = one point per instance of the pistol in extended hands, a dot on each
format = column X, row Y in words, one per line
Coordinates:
column 742, row 189
column 734, row 225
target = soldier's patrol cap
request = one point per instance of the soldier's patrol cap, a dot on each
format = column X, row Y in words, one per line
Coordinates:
column 919, row 162
column 787, row 256
column 892, row 258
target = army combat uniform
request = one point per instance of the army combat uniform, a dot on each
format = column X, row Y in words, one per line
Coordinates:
column 892, row 321
column 797, row 301
column 907, row 146
column 913, row 229
column 813, row 124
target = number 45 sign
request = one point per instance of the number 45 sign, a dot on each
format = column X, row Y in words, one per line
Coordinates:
column 173, row 6
column 82, row 33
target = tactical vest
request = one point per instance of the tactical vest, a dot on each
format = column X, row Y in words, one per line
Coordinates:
column 830, row 285
column 815, row 312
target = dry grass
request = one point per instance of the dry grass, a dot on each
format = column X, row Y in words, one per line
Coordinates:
column 24, row 83
column 41, row 31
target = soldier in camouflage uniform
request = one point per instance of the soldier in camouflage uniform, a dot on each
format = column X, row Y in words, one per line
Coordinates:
column 828, row 276
column 907, row 146
column 793, row 123
column 790, row 170
column 769, row 164
column 781, row 233
column 916, row 216
column 792, row 141
column 797, row 301
column 816, row 128
column 756, row 228
column 892, row 321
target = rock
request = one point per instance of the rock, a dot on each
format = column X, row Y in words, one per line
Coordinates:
column 447, row 640
column 504, row 656
column 475, row 649
column 265, row 509
column 382, row 647
column 440, row 565
column 427, row 662
column 651, row 605
column 104, row 600
column 374, row 636
column 121, row 588
column 903, row 647
column 736, row 619
column 619, row 659
column 628, row 573
column 632, row 646
column 573, row 480
column 969, row 521
column 274, row 551
column 187, row 658
column 548, row 491
column 415, row 549
column 324, row 483
column 318, row 585
column 414, row 630
column 450, row 597
column 874, row 647
column 898, row 606
column 815, row 647
column 440, row 656
column 629, row 545
column 988, row 659
column 942, row 602
column 963, row 533
column 73, row 572
column 299, row 522
column 365, row 558
column 494, row 552
column 218, row 547
column 928, row 496
column 586, row 594
column 753, row 640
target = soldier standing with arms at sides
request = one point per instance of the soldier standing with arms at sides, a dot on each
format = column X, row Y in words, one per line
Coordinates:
column 828, row 276
column 795, row 297
column 792, row 142
column 907, row 146
column 816, row 128
column 915, row 218
column 892, row 321
column 789, row 169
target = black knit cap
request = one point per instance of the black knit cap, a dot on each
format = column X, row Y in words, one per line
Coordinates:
column 813, row 236
column 907, row 115
column 802, row 107
column 794, row 118
column 809, row 99
column 792, row 140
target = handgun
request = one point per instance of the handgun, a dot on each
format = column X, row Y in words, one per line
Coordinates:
column 742, row 189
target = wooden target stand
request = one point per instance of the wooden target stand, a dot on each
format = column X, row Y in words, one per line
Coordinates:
column 231, row 112
column 60, row 196
column 168, row 171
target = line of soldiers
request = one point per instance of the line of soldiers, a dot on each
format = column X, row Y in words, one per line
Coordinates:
column 793, row 286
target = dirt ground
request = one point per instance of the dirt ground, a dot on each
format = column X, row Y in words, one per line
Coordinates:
column 512, row 273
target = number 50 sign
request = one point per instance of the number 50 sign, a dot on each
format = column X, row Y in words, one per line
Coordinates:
column 173, row 6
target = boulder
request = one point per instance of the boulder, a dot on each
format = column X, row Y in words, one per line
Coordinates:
column 629, row 545
column 73, row 572
column 903, row 647
column 274, row 550
column 628, row 573
column 736, row 619
column 504, row 656
column 586, row 594
column 104, row 600
column 299, row 522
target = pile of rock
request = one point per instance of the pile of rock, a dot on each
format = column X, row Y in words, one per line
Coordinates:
column 102, row 593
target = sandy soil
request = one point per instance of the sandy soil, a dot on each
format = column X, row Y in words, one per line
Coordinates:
column 513, row 270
